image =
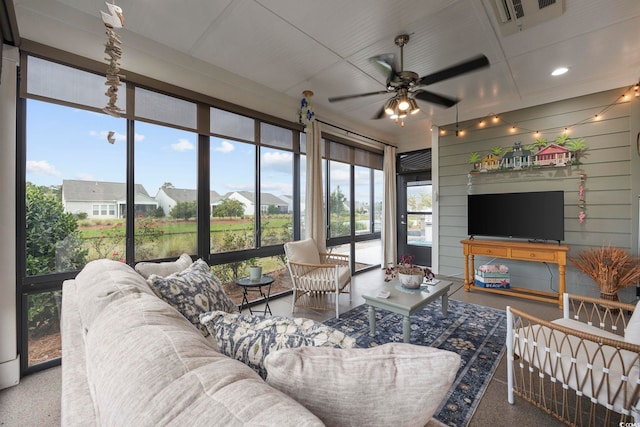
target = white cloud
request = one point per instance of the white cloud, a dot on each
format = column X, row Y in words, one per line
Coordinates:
column 278, row 161
column 276, row 188
column 277, row 158
column 225, row 147
column 182, row 145
column 42, row 167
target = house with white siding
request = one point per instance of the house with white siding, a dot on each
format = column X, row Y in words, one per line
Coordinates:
column 103, row 200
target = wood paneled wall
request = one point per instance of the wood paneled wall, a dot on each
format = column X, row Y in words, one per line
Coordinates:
column 611, row 164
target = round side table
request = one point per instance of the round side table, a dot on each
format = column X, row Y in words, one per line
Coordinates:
column 249, row 285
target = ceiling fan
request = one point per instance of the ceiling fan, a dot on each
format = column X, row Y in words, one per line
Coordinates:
column 406, row 85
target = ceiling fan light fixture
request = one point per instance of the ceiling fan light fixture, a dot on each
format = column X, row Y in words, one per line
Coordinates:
column 402, row 114
column 403, row 104
column 413, row 106
column 390, row 106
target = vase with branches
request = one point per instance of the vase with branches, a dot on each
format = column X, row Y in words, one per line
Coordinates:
column 610, row 268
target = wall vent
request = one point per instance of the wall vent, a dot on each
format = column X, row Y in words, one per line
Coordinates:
column 518, row 15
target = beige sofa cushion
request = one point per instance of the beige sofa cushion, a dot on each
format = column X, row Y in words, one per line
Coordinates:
column 394, row 384
column 103, row 281
column 163, row 269
column 148, row 366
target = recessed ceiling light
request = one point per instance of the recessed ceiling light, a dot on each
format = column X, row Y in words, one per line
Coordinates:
column 559, row 71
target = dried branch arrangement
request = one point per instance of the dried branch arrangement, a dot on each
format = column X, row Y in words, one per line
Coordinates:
column 610, row 268
column 113, row 19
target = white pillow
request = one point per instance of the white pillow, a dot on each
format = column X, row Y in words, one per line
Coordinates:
column 303, row 251
column 163, row 269
column 391, row 384
column 632, row 333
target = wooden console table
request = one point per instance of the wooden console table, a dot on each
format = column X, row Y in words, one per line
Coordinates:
column 524, row 251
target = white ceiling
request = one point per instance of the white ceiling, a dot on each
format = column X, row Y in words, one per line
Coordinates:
column 263, row 53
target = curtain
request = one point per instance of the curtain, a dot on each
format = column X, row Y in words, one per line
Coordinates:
column 314, row 210
column 389, row 224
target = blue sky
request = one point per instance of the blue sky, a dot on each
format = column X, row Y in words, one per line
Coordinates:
column 69, row 143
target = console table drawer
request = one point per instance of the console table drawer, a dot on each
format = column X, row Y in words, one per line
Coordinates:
column 533, row 255
column 483, row 250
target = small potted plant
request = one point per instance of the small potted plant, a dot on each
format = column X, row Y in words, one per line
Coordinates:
column 255, row 269
column 410, row 276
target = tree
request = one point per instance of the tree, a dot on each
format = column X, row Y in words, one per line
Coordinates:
column 229, row 208
column 337, row 202
column 184, row 210
column 53, row 243
column 47, row 225
column 273, row 210
column 577, row 146
column 159, row 212
column 421, row 202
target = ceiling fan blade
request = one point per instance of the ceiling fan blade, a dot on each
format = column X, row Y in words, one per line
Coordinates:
column 434, row 98
column 360, row 95
column 467, row 66
column 387, row 63
column 380, row 114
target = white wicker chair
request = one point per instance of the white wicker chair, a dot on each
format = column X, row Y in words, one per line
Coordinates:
column 316, row 275
column 582, row 368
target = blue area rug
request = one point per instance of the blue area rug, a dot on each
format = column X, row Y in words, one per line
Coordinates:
column 476, row 333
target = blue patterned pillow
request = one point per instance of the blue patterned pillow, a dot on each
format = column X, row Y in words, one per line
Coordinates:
column 192, row 292
column 250, row 339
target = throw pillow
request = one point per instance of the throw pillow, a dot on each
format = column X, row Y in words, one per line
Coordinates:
column 163, row 269
column 391, row 384
column 192, row 292
column 251, row 338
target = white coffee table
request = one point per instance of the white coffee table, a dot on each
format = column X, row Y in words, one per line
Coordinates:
column 406, row 302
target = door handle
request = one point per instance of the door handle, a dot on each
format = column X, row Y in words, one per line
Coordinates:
column 403, row 222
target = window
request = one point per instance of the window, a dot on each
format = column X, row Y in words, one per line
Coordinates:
column 165, row 191
column 339, row 199
column 276, row 186
column 77, row 192
column 232, row 195
column 72, row 174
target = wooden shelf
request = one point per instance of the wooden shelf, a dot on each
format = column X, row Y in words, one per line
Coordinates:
column 523, row 251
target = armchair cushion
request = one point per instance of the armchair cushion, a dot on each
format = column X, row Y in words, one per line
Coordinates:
column 251, row 338
column 391, row 384
column 304, row 251
column 632, row 333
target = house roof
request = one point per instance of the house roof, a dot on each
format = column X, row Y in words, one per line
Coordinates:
column 98, row 191
column 265, row 198
column 553, row 148
column 187, row 195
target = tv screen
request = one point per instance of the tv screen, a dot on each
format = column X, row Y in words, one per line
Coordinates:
column 534, row 216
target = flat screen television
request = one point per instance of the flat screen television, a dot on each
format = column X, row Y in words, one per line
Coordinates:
column 536, row 216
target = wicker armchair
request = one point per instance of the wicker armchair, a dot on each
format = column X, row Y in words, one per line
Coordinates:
column 316, row 275
column 583, row 368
